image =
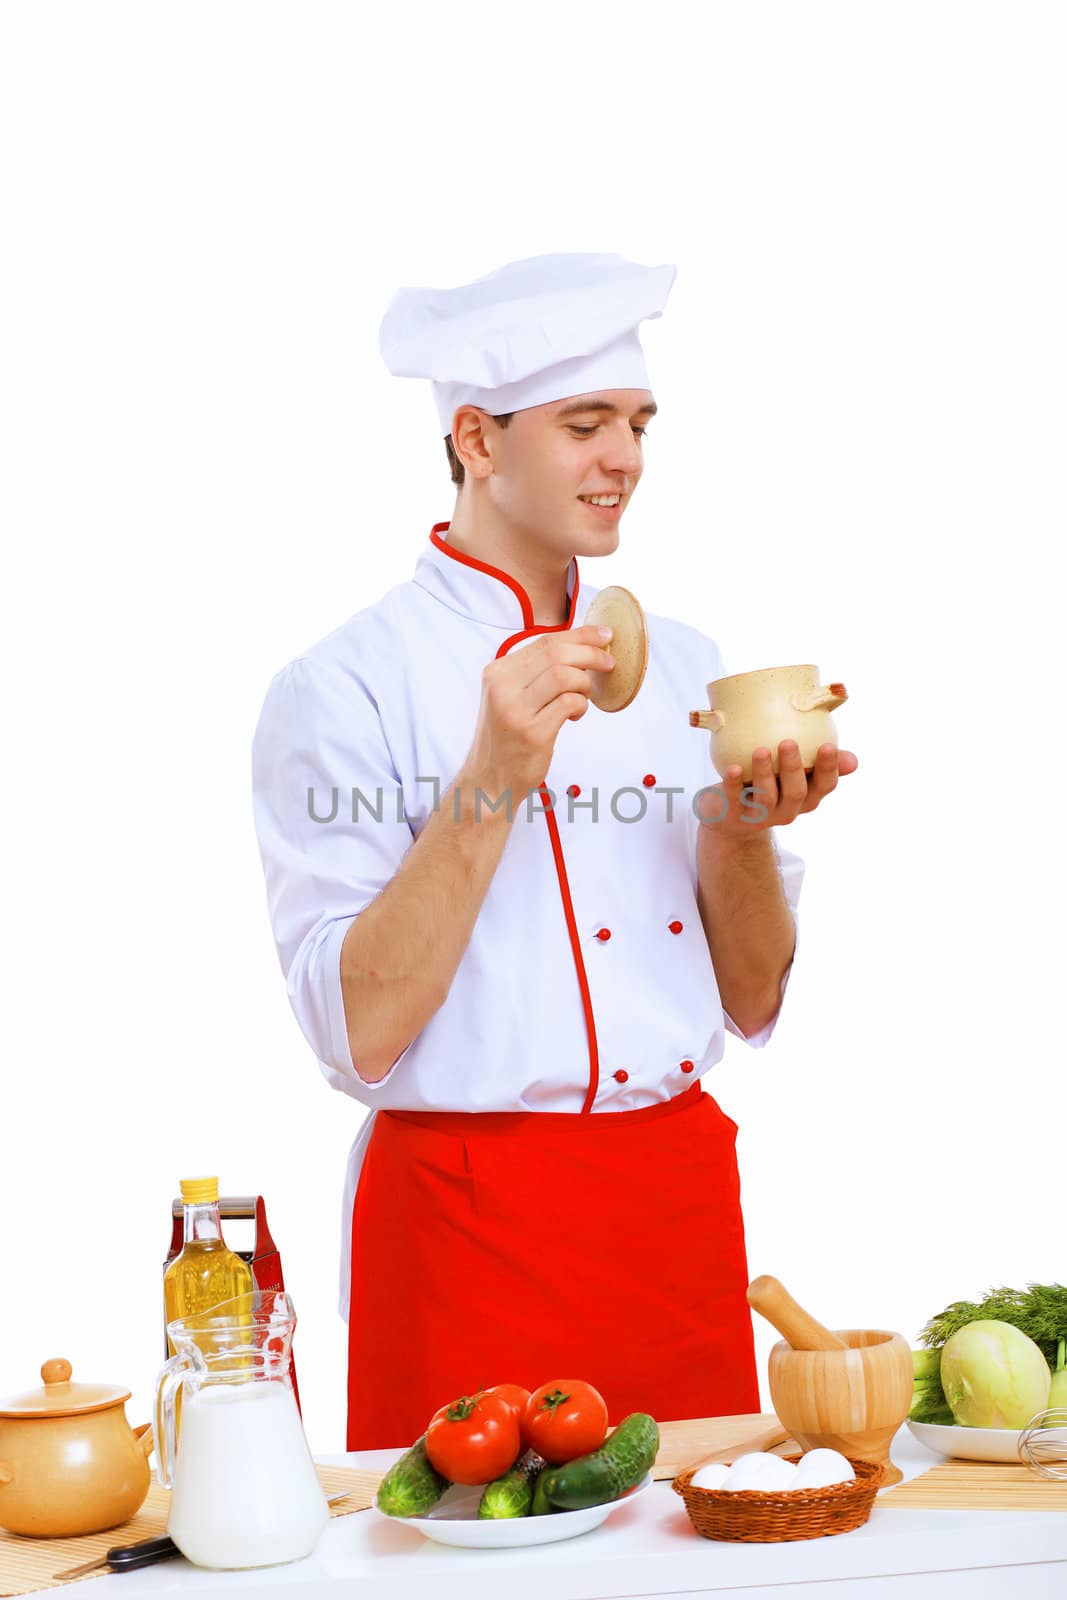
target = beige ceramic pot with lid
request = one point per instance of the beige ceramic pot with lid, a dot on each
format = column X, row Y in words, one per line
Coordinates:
column 69, row 1461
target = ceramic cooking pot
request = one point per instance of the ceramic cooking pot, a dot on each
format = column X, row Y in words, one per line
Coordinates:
column 69, row 1460
column 754, row 709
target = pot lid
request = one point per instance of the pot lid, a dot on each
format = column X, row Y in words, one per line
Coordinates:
column 61, row 1398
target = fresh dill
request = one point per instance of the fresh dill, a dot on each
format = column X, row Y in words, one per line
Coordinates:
column 1039, row 1310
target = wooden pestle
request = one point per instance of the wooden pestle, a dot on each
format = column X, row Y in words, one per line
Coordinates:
column 797, row 1326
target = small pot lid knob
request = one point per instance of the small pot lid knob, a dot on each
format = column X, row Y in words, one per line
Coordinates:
column 56, row 1371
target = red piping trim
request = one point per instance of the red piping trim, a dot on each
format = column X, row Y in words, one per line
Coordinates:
column 576, row 951
column 529, row 631
column 493, row 572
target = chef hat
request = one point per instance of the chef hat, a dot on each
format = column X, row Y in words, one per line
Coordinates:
column 536, row 330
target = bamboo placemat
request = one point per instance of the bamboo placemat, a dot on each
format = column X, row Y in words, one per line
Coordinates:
column 27, row 1565
column 978, row 1486
column 363, row 1487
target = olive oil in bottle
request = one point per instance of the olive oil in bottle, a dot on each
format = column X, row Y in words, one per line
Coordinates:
column 206, row 1272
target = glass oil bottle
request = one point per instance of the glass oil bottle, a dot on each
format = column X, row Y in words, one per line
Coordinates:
column 206, row 1271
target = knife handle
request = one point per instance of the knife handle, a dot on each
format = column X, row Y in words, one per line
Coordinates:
column 127, row 1558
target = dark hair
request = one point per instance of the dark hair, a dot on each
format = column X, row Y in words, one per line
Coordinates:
column 455, row 465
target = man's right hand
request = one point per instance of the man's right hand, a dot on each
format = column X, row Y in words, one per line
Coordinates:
column 526, row 698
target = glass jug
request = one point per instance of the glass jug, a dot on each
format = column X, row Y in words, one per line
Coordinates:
column 245, row 1489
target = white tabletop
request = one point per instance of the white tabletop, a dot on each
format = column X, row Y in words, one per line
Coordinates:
column 648, row 1549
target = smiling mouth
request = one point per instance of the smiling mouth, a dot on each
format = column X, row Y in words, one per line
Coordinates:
column 605, row 502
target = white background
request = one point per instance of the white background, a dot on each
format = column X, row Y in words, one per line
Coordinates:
column 858, row 461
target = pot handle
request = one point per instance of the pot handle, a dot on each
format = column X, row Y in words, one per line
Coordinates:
column 7, row 1473
column 713, row 721
column 825, row 698
column 145, row 1438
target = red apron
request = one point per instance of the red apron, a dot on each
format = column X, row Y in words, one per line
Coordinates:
column 518, row 1247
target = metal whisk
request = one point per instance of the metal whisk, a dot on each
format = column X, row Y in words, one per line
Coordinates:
column 1043, row 1443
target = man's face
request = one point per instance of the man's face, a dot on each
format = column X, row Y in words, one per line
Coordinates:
column 551, row 459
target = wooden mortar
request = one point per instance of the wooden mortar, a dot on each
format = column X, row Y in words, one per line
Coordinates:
column 850, row 1394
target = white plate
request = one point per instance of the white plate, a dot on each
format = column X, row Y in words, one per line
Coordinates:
column 454, row 1520
column 969, row 1444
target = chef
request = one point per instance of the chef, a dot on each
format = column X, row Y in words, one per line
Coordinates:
column 517, row 927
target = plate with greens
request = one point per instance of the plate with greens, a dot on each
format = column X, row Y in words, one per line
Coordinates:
column 988, row 1368
column 968, row 1444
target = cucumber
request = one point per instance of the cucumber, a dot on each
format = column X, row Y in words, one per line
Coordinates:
column 606, row 1473
column 541, row 1506
column 511, row 1495
column 412, row 1486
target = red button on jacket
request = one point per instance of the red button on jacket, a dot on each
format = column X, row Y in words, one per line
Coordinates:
column 573, row 790
column 687, row 1066
column 649, row 780
column 603, row 933
column 621, row 1076
column 675, row 926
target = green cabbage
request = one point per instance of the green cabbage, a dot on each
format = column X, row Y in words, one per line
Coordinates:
column 994, row 1376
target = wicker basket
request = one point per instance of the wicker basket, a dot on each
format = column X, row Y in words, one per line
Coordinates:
column 758, row 1518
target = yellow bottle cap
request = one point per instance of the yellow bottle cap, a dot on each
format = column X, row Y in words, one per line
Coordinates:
column 199, row 1191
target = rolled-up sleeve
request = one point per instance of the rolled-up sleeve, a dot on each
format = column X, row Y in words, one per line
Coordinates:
column 331, row 835
column 790, row 871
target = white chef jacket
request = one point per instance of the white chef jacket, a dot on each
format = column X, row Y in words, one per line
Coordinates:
column 587, row 981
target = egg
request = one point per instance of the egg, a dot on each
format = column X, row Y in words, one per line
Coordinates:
column 754, row 1460
column 817, row 1469
column 768, row 1474
column 713, row 1476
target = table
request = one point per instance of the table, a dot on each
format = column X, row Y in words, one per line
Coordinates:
column 650, row 1549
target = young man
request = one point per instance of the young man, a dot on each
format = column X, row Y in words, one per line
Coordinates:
column 517, row 927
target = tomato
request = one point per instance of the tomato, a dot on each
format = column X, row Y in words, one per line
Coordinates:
column 564, row 1420
column 473, row 1440
column 513, row 1396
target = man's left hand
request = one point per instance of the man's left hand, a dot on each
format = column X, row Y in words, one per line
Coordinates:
column 772, row 801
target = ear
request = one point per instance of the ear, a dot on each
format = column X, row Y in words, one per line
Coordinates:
column 473, row 440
